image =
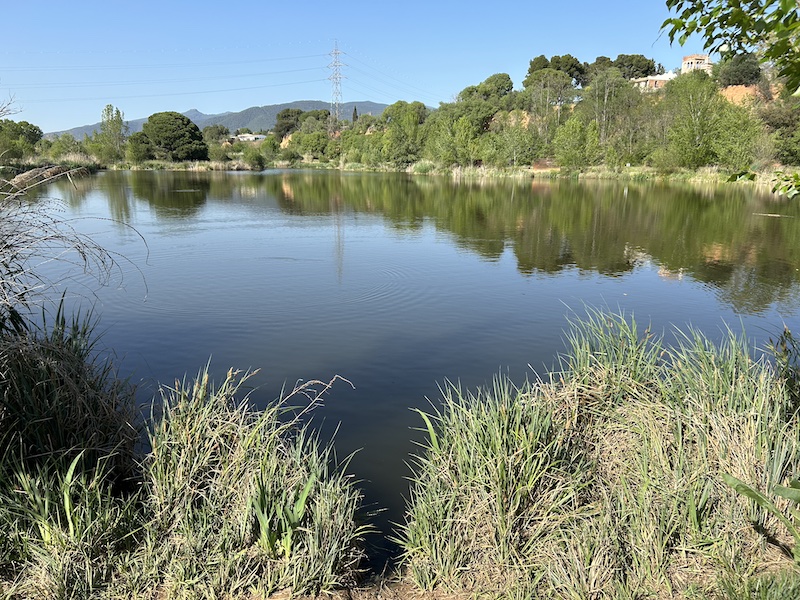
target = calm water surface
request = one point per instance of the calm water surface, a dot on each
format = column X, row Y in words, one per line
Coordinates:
column 400, row 283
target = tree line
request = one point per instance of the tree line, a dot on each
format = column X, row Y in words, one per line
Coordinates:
column 566, row 113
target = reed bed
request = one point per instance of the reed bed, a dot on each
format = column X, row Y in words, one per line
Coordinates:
column 606, row 480
column 228, row 501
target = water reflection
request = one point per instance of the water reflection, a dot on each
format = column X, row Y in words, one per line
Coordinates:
column 727, row 237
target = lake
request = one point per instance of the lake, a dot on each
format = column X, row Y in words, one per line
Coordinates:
column 399, row 283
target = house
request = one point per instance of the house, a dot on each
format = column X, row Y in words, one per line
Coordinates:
column 696, row 62
column 653, row 82
column 249, row 137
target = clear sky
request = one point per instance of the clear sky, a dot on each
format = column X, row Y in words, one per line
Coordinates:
column 62, row 62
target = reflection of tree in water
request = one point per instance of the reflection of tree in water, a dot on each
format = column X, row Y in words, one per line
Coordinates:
column 171, row 194
column 715, row 236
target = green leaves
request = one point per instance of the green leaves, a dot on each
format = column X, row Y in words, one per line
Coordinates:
column 790, row 493
column 734, row 26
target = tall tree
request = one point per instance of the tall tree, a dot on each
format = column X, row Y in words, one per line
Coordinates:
column 546, row 93
column 287, row 121
column 175, row 137
column 632, row 66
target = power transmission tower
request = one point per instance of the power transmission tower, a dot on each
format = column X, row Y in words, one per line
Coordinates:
column 336, row 85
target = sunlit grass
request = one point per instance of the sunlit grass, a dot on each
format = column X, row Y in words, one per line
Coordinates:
column 606, row 481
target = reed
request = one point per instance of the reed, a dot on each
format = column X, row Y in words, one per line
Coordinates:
column 606, row 481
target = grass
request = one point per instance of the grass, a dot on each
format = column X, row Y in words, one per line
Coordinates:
column 606, row 480
column 228, row 501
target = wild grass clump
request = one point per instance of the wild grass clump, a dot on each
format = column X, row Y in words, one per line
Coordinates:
column 228, row 500
column 607, row 480
column 241, row 500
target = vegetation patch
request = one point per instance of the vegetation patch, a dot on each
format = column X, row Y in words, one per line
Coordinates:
column 607, row 480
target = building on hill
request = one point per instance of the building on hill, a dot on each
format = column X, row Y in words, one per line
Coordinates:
column 653, row 82
column 696, row 62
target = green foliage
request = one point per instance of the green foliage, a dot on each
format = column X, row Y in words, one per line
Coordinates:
column 569, row 144
column 737, row 134
column 254, row 158
column 286, row 122
column 108, row 145
column 693, row 105
column 632, row 66
column 215, row 133
column 64, row 144
column 733, row 26
column 174, row 137
column 139, row 148
column 403, row 127
column 739, row 69
column 17, row 139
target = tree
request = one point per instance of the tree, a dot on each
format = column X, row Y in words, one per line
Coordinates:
column 569, row 144
column 139, row 148
column 215, row 133
column 355, row 114
column 694, row 104
column 571, row 66
column 736, row 26
column 402, row 142
column 740, row 69
column 632, row 66
column 64, row 144
column 537, row 64
column 174, row 137
column 17, row 139
column 286, row 122
column 546, row 93
column 108, row 145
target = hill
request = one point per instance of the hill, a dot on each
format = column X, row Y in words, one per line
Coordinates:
column 255, row 118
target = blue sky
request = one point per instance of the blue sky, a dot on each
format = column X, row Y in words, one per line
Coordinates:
column 65, row 61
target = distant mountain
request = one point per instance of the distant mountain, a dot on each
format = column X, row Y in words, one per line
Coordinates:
column 256, row 118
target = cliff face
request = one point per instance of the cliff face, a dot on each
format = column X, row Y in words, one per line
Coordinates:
column 741, row 94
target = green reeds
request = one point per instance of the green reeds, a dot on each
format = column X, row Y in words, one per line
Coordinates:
column 607, row 481
column 241, row 500
column 230, row 501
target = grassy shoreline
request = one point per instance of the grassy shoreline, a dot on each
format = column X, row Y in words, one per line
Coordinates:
column 602, row 481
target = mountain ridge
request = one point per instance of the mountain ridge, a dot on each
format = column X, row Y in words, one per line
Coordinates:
column 255, row 118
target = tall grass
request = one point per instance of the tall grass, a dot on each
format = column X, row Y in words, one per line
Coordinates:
column 606, row 481
column 229, row 501
column 243, row 500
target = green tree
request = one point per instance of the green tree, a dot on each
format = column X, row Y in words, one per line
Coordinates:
column 287, row 121
column 175, row 137
column 546, row 93
column 632, row 66
column 108, row 144
column 18, row 138
column 537, row 64
column 64, row 144
column 139, row 148
column 739, row 69
column 215, row 133
column 402, row 142
column 569, row 144
column 571, row 66
column 736, row 139
column 693, row 104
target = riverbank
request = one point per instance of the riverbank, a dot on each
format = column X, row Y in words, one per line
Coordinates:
column 765, row 179
column 603, row 480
